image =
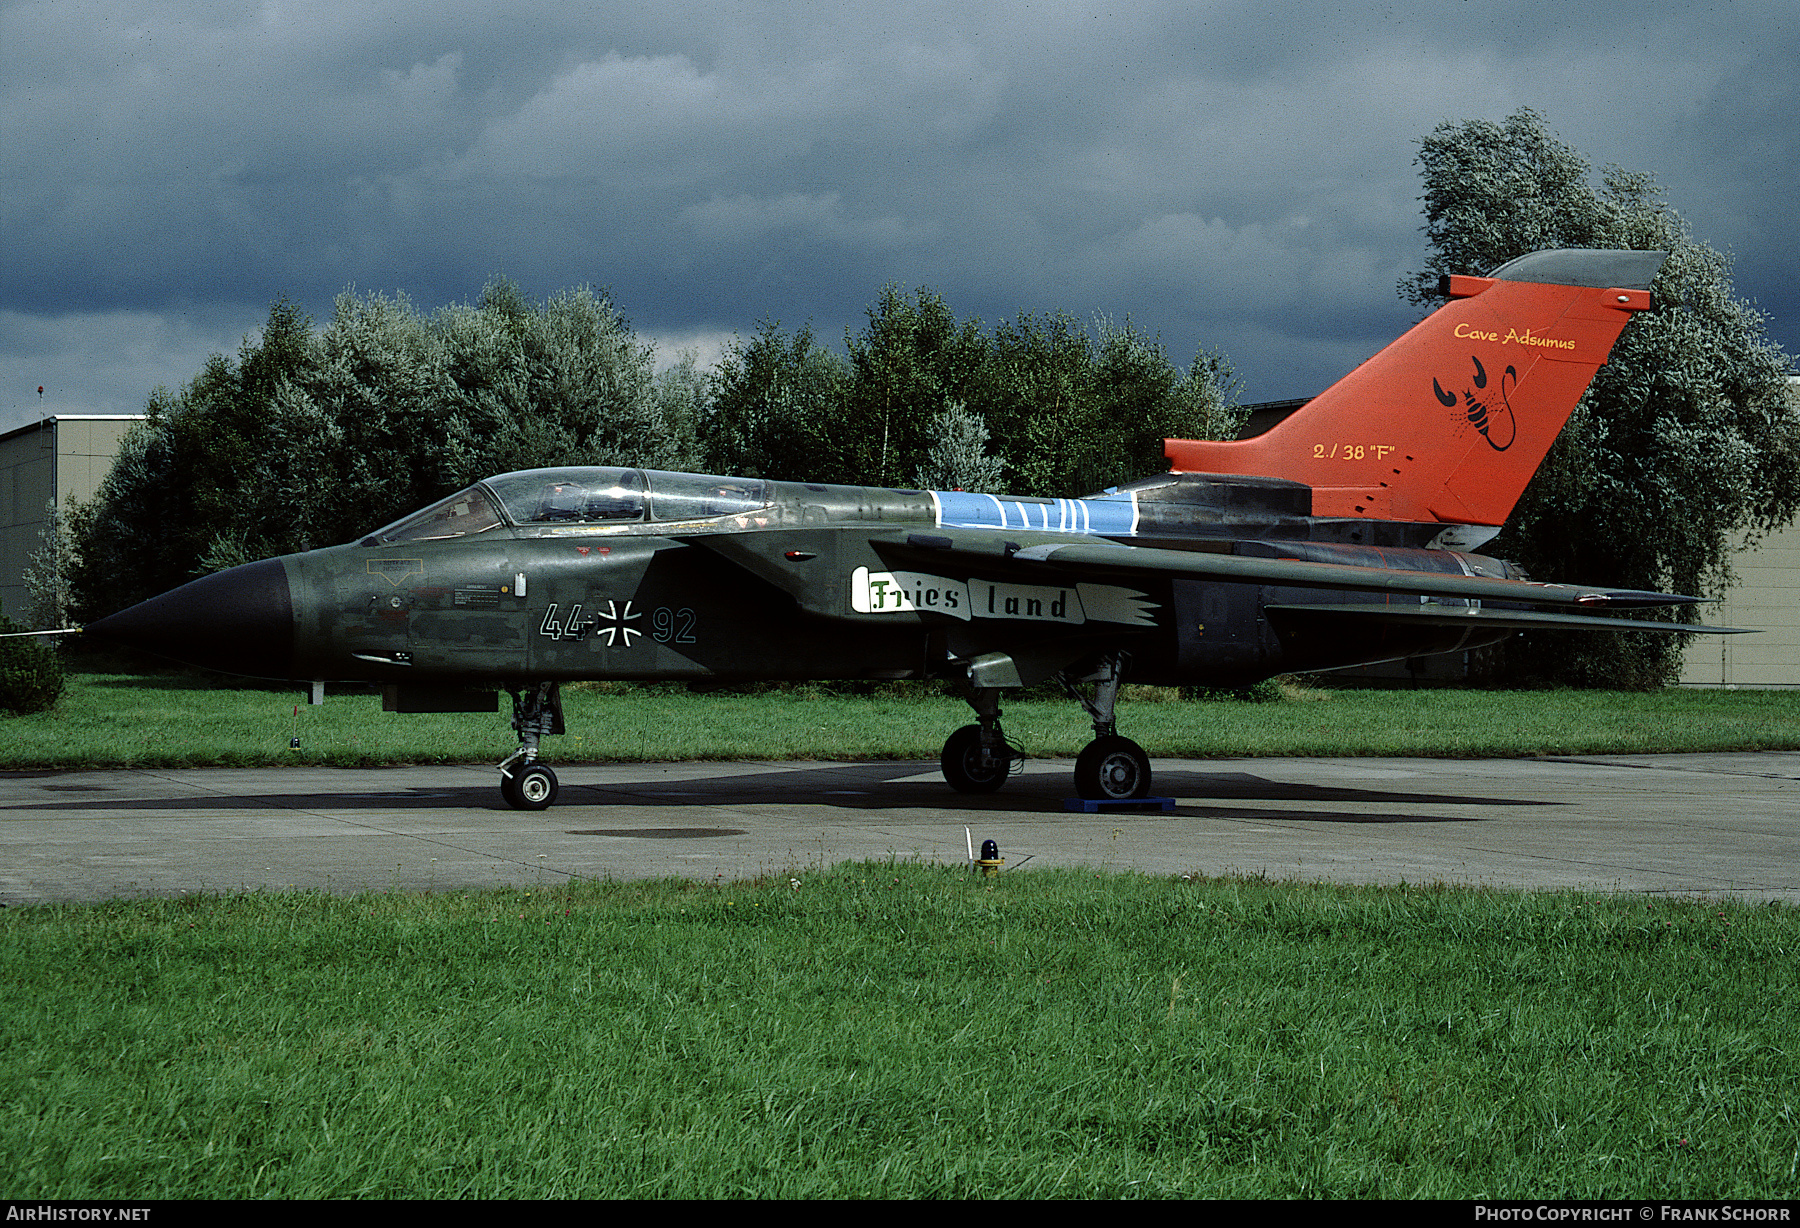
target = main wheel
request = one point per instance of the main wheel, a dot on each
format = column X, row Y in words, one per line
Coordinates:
column 532, row 787
column 1112, row 769
column 969, row 768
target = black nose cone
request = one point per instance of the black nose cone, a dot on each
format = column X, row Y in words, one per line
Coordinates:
column 239, row 621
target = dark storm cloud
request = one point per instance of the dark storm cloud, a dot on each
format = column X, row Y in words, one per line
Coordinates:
column 1229, row 175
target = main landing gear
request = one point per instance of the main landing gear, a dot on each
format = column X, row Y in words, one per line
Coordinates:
column 1110, row 768
column 526, row 784
column 978, row 758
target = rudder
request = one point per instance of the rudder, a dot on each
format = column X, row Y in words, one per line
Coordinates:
column 1449, row 422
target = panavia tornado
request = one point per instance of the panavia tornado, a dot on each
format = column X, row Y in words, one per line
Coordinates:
column 1341, row 536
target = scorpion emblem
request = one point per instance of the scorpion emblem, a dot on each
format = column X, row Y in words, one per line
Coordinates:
column 1491, row 421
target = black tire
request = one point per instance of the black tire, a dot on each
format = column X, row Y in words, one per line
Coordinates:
column 1112, row 769
column 532, row 787
column 965, row 766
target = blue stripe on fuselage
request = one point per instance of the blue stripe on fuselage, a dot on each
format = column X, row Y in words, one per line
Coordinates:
column 1115, row 516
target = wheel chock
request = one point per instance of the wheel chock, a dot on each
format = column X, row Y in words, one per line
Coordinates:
column 1095, row 805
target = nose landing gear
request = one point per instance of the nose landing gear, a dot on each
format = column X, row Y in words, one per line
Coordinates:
column 526, row 784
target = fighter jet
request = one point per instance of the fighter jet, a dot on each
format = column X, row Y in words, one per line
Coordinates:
column 1343, row 535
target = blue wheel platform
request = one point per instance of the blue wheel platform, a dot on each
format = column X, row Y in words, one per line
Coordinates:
column 1102, row 806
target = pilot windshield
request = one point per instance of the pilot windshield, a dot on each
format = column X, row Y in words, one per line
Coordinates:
column 463, row 513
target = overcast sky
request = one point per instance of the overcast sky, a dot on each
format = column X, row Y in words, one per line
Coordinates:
column 1229, row 175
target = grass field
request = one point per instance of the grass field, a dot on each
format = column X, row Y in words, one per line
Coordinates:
column 899, row 1030
column 895, row 1029
column 172, row 721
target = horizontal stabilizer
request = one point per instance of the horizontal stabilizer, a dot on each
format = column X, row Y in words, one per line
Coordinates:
column 1637, row 599
column 1297, row 573
column 1522, row 620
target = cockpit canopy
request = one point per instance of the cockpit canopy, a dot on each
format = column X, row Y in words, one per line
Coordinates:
column 583, row 497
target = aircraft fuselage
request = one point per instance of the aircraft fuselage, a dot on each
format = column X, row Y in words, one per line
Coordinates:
column 819, row 582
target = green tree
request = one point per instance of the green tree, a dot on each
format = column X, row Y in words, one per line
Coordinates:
column 561, row 382
column 775, row 408
column 679, row 405
column 31, row 678
column 1039, row 405
column 1684, row 447
column 912, row 359
column 188, row 492
column 958, row 458
column 1077, row 410
column 1145, row 398
column 371, row 420
column 49, row 577
column 307, row 439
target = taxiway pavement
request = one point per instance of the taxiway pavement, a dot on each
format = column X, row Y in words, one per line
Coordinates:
column 1712, row 824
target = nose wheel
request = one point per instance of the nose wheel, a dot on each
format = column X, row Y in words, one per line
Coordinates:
column 526, row 784
column 532, row 787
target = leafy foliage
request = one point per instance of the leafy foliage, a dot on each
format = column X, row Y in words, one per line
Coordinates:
column 306, row 439
column 309, row 439
column 912, row 360
column 1039, row 405
column 48, row 576
column 1684, row 448
column 774, row 404
column 31, row 678
column 1084, row 410
column 958, row 458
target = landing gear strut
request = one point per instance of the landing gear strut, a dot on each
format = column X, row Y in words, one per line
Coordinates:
column 977, row 758
column 526, row 784
column 1111, row 768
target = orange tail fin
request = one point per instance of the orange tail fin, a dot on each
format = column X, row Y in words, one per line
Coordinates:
column 1449, row 422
